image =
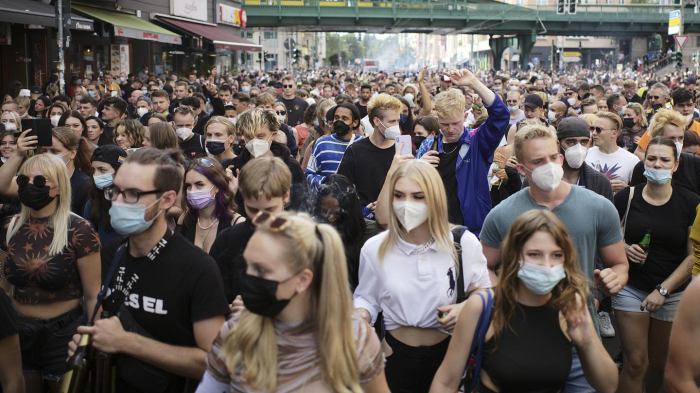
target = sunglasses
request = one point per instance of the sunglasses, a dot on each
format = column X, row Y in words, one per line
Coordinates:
column 281, row 113
column 277, row 224
column 204, row 162
column 287, row 86
column 597, row 129
column 23, row 180
column 511, row 101
column 654, row 97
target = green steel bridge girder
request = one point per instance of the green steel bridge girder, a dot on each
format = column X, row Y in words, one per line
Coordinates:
column 464, row 17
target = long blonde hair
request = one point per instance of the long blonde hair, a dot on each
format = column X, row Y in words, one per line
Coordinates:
column 563, row 295
column 53, row 169
column 252, row 342
column 430, row 182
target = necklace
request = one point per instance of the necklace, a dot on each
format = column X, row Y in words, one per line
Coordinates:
column 453, row 150
column 203, row 238
column 417, row 250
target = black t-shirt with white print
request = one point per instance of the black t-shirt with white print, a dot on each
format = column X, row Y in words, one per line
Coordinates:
column 182, row 285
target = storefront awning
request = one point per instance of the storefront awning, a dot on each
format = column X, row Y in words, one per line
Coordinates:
column 31, row 12
column 220, row 38
column 131, row 26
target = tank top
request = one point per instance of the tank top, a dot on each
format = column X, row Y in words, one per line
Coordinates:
column 534, row 356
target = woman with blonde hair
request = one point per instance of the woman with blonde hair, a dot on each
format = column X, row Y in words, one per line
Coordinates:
column 410, row 273
column 539, row 311
column 634, row 125
column 52, row 265
column 160, row 136
column 12, row 121
column 664, row 120
column 298, row 331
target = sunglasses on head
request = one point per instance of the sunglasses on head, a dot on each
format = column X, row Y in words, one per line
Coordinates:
column 277, row 224
column 205, row 162
column 23, row 180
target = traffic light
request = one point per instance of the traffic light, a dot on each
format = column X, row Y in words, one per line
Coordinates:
column 696, row 56
column 678, row 58
column 296, row 54
column 260, row 56
column 572, row 7
column 561, row 7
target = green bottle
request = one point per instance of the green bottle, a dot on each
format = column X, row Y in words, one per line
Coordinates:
column 644, row 244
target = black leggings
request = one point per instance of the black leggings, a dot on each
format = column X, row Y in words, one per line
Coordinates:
column 411, row 369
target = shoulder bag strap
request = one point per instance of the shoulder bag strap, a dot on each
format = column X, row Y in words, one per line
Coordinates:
column 623, row 224
column 484, row 321
column 457, row 233
column 108, row 279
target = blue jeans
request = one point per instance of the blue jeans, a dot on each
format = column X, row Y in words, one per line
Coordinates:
column 577, row 381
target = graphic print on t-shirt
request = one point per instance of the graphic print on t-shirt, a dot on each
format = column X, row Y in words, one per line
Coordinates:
column 609, row 172
column 453, row 283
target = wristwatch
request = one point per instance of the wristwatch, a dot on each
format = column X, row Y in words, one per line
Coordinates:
column 663, row 291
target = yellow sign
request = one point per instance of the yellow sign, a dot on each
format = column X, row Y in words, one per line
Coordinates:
column 572, row 54
column 674, row 22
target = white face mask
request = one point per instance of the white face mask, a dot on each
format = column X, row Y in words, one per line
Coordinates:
column 10, row 127
column 689, row 117
column 390, row 132
column 258, row 147
column 142, row 111
column 571, row 101
column 552, row 116
column 183, row 133
column 409, row 97
column 679, row 149
column 547, row 177
column 575, row 155
column 54, row 120
column 411, row 214
column 281, row 118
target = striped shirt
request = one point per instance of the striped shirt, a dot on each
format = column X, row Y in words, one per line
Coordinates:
column 325, row 158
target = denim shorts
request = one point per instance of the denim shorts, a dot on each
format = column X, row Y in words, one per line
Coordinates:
column 44, row 342
column 630, row 299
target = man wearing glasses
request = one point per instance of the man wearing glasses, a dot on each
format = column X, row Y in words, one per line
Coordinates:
column 606, row 157
column 513, row 102
column 658, row 97
column 295, row 106
column 168, row 282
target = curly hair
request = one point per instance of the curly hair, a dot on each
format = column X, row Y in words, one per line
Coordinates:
column 133, row 130
column 664, row 117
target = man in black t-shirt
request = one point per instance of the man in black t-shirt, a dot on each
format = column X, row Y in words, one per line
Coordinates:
column 169, row 293
column 367, row 162
column 191, row 144
column 296, row 106
column 365, row 95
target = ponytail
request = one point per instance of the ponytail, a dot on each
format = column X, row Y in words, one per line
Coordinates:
column 83, row 157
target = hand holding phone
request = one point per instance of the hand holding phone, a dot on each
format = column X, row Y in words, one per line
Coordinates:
column 406, row 149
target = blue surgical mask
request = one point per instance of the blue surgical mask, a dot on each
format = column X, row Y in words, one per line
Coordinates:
column 91, row 94
column 658, row 176
column 513, row 109
column 540, row 280
column 129, row 219
column 103, row 181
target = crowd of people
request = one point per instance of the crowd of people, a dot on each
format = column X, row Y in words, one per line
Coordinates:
column 342, row 231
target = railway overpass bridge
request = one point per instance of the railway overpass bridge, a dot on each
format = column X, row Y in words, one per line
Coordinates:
column 507, row 24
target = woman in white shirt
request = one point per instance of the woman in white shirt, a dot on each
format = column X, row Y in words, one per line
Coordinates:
column 410, row 274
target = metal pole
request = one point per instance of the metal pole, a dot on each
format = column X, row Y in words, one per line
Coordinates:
column 59, row 39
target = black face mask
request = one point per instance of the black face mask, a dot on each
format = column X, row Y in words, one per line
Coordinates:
column 260, row 296
column 628, row 122
column 215, row 148
column 340, row 128
column 656, row 107
column 418, row 140
column 34, row 197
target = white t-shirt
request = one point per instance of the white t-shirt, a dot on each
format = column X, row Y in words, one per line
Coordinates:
column 616, row 166
column 412, row 282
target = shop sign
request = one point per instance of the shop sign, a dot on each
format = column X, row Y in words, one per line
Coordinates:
column 192, row 9
column 227, row 15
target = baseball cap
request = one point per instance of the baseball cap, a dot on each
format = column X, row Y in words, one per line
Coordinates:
column 533, row 101
column 109, row 154
column 35, row 90
column 573, row 127
column 143, row 98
